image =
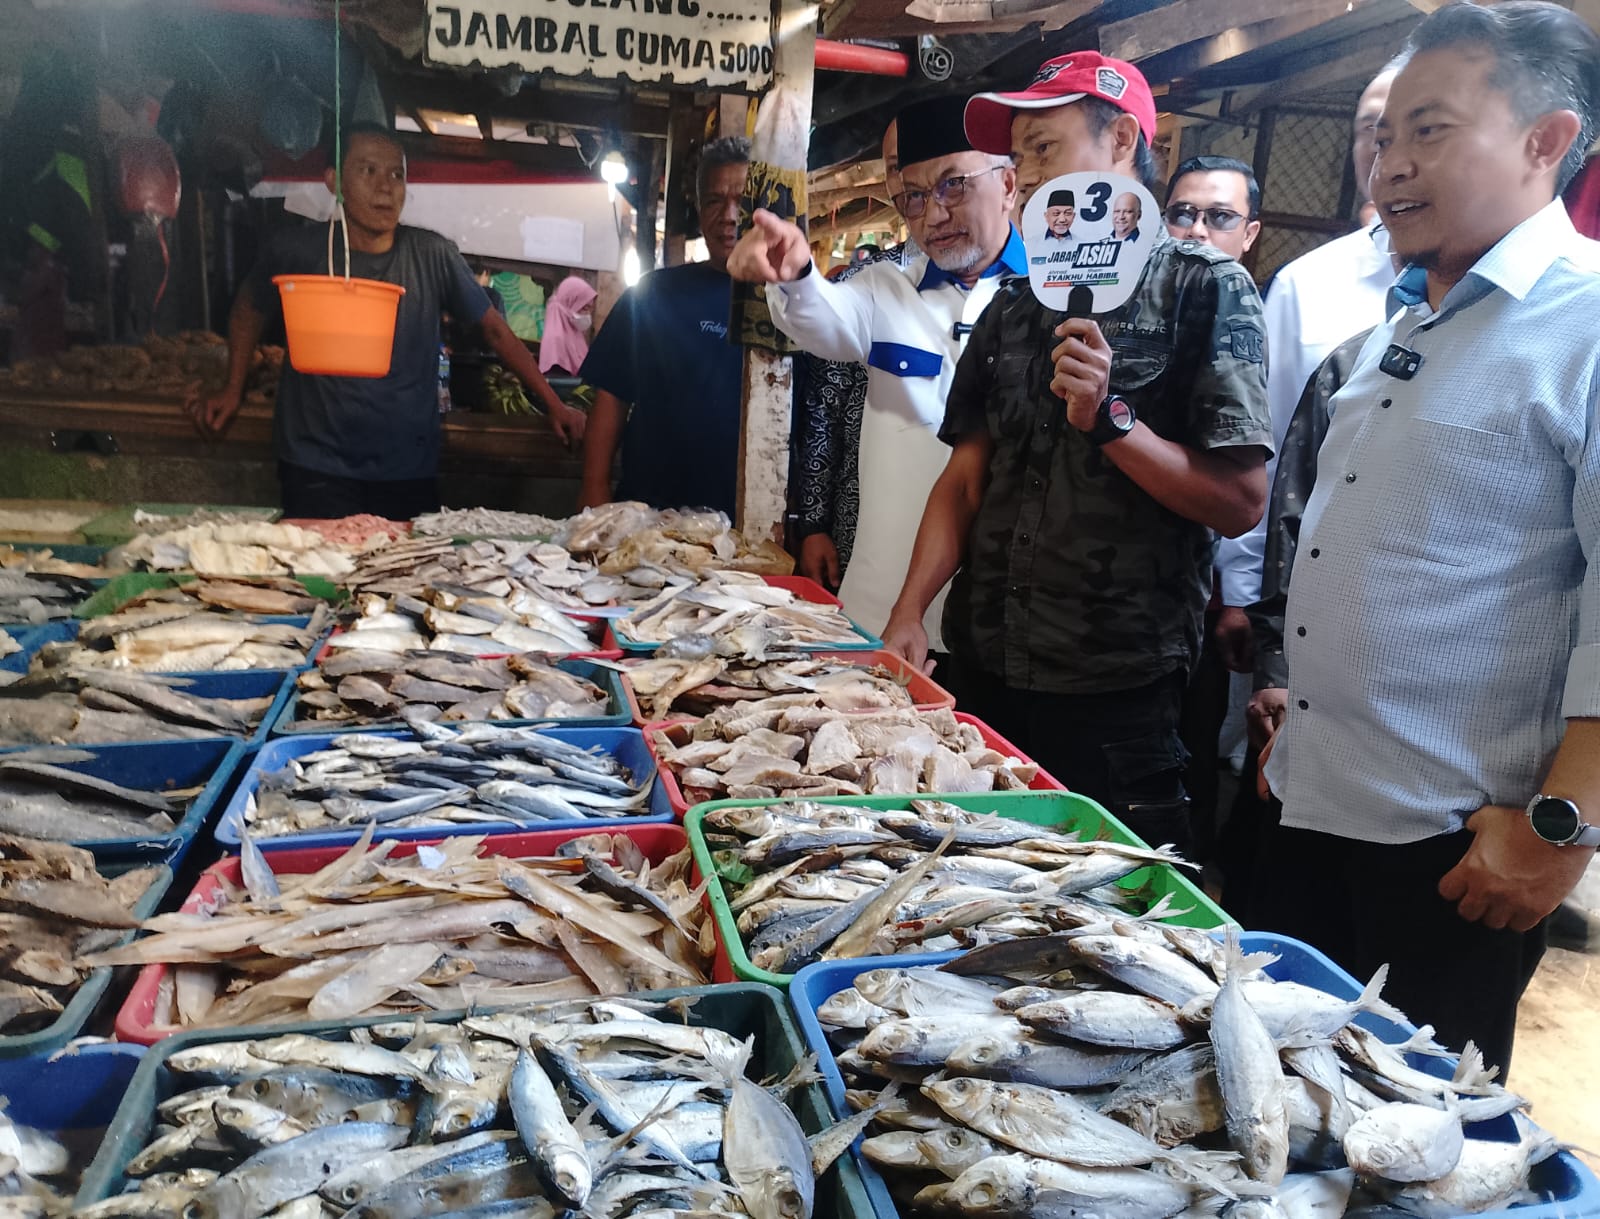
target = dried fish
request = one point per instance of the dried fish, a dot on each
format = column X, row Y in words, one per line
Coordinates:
column 483, row 522
column 813, row 751
column 45, row 801
column 677, row 687
column 239, row 548
column 444, row 775
column 106, row 706
column 29, row 598
column 835, row 880
column 55, row 906
column 603, row 1108
column 446, row 927
column 740, row 613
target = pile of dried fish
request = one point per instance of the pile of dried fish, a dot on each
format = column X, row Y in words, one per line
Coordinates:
column 1145, row 1071
column 498, row 569
column 446, row 928
column 358, row 532
column 670, row 686
column 479, row 773
column 256, row 548
column 734, row 613
column 169, row 522
column 202, row 626
column 483, row 523
column 41, row 799
column 827, row 881
column 629, row 534
column 37, row 1173
column 88, row 706
column 44, row 562
column 55, row 908
column 602, row 1108
column 29, row 598
column 8, row 643
column 814, row 751
column 356, row 686
column 493, row 621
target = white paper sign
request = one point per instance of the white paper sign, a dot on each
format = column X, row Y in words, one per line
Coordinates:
column 1088, row 237
column 552, row 239
column 724, row 44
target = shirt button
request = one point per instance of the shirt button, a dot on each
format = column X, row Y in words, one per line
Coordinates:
column 1301, row 631
column 988, row 360
column 904, row 366
column 1316, row 553
column 1016, row 590
column 1349, row 478
column 1303, row 705
column 1386, row 403
column 1023, row 538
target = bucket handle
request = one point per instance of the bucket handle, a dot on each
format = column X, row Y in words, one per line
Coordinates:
column 338, row 220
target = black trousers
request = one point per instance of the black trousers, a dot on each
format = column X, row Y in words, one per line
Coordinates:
column 1120, row 748
column 1205, row 707
column 308, row 494
column 1365, row 904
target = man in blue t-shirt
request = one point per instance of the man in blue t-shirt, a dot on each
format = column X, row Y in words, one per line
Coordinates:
column 669, row 383
column 349, row 445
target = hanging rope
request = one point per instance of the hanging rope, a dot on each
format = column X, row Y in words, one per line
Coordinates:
column 338, row 218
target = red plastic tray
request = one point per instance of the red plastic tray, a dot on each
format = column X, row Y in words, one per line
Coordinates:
column 926, row 694
column 608, row 650
column 136, row 1020
column 1043, row 781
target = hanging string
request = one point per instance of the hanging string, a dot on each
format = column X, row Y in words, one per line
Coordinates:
column 338, row 217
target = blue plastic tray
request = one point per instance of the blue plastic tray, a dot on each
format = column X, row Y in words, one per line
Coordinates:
column 1570, row 1189
column 625, row 744
column 32, row 638
column 618, row 712
column 74, row 1095
column 86, row 1000
column 161, row 766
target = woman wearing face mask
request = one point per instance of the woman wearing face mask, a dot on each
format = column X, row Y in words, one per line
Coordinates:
column 567, row 319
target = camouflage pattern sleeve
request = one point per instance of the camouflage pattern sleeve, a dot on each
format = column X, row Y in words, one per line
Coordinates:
column 1228, row 401
column 966, row 408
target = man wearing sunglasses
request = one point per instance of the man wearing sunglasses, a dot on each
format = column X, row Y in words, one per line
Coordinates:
column 1215, row 200
column 907, row 320
column 1090, row 460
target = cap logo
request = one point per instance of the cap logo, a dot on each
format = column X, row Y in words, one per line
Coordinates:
column 1110, row 83
column 1050, row 71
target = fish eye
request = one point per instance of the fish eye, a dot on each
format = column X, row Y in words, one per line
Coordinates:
column 982, row 1195
column 260, row 1088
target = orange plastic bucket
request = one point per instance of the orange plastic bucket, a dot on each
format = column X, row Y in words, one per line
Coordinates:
column 339, row 327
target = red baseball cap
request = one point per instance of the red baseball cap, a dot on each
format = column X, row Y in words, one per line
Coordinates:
column 1059, row 82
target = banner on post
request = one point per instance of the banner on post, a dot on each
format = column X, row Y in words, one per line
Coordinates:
column 720, row 44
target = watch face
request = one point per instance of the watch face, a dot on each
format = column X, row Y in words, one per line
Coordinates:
column 1120, row 413
column 1554, row 820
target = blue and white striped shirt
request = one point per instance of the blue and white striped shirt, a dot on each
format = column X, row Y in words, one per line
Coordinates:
column 1444, row 612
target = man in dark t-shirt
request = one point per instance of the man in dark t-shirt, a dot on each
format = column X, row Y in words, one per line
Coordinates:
column 348, row 445
column 669, row 383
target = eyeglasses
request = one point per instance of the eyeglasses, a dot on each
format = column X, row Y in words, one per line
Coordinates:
column 912, row 203
column 1183, row 216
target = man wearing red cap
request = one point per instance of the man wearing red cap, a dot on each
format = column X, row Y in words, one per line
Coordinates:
column 907, row 320
column 1091, row 459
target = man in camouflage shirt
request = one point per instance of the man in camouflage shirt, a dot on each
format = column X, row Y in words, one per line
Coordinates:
column 1080, row 538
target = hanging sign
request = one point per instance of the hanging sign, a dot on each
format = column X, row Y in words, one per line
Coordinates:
column 1088, row 237
column 721, row 44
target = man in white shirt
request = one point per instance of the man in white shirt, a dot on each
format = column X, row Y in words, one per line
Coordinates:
column 1439, row 761
column 1314, row 303
column 907, row 320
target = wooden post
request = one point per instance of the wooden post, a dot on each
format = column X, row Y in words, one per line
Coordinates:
column 1261, row 164
column 683, row 122
column 646, row 160
column 782, row 135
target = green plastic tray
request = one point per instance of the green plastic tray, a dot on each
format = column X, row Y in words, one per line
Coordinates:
column 738, row 1008
column 1058, row 810
column 116, row 527
column 120, row 590
column 86, row 999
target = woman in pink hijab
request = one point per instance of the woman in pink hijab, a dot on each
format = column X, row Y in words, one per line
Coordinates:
column 567, row 318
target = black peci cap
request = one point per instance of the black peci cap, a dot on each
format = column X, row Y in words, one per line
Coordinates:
column 1062, row 198
column 932, row 129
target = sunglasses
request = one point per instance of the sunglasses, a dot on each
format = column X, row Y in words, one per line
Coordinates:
column 1183, row 216
column 949, row 192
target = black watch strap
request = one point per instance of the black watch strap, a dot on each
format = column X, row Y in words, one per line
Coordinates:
column 1113, row 421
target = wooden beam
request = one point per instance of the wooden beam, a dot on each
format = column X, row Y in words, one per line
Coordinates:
column 857, row 173
column 781, row 138
column 416, row 116
column 1173, row 25
column 998, row 16
column 586, row 111
column 1351, row 59
column 1204, row 53
column 682, row 127
column 820, row 203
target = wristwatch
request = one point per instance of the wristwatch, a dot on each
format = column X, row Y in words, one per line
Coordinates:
column 1113, row 421
column 1559, row 823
